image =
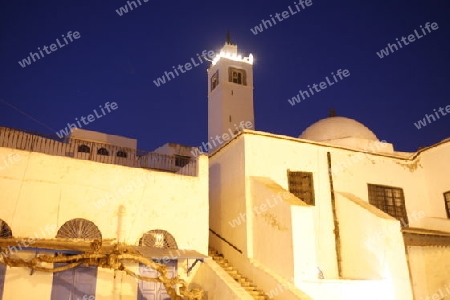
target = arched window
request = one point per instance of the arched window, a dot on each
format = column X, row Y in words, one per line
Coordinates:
column 84, row 148
column 158, row 239
column 238, row 76
column 81, row 280
column 79, row 229
column 121, row 154
column 5, row 230
column 103, row 151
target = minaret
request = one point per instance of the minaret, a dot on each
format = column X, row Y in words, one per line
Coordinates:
column 230, row 93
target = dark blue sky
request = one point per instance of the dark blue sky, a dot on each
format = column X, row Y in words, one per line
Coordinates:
column 118, row 57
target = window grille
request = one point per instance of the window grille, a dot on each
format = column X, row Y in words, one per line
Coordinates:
column 237, row 76
column 447, row 203
column 79, row 229
column 5, row 230
column 158, row 239
column 214, row 80
column 301, row 185
column 390, row 200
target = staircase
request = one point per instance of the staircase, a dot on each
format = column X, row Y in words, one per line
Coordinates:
column 244, row 282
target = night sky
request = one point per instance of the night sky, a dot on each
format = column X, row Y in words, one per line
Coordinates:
column 116, row 58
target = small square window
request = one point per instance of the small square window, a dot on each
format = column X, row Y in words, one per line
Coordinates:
column 181, row 161
column 301, row 185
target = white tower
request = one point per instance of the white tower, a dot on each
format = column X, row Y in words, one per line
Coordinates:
column 230, row 93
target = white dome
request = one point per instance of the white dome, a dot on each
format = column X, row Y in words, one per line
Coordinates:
column 334, row 128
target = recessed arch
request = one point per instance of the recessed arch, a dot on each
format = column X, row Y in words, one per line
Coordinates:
column 122, row 154
column 5, row 230
column 79, row 229
column 83, row 148
column 5, row 233
column 158, row 239
column 103, row 151
column 75, row 283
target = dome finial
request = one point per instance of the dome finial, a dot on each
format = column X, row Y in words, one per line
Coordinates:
column 332, row 113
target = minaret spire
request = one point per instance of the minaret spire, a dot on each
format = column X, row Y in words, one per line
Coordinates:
column 229, row 38
column 230, row 92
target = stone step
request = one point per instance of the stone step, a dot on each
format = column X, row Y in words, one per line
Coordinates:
column 254, row 293
column 244, row 282
column 236, row 276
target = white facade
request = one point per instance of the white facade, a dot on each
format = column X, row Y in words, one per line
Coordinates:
column 44, row 190
column 333, row 214
column 342, row 246
column 290, row 239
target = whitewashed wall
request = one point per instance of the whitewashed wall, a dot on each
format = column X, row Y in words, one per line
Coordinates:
column 40, row 190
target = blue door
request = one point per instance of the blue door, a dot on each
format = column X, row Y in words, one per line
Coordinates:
column 154, row 290
column 2, row 279
column 75, row 283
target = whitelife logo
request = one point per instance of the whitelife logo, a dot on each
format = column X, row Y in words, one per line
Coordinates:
column 187, row 66
column 342, row 165
column 382, row 235
column 284, row 15
column 27, row 61
column 120, row 192
column 423, row 122
column 10, row 160
column 257, row 210
column 49, row 232
column 323, row 85
column 124, row 9
column 205, row 147
column 411, row 38
column 90, row 118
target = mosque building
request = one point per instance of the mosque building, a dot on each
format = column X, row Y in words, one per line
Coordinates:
column 334, row 213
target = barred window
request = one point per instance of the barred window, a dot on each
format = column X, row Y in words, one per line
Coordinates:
column 390, row 200
column 158, row 239
column 301, row 185
column 447, row 203
column 79, row 229
column 237, row 76
column 214, row 80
